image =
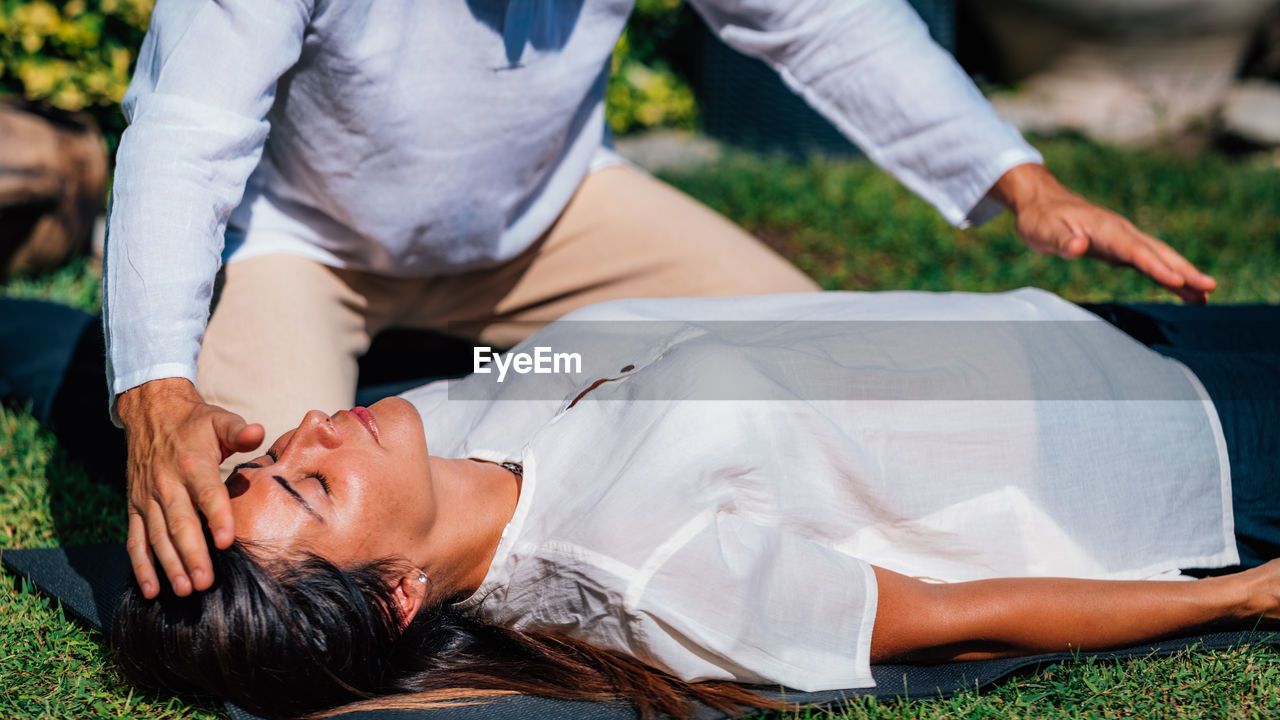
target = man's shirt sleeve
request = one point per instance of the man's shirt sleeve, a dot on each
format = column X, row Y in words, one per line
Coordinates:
column 205, row 80
column 870, row 67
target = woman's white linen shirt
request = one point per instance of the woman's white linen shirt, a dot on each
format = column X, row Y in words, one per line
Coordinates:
column 733, row 538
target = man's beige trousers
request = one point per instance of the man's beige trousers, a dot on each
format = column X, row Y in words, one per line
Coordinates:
column 286, row 332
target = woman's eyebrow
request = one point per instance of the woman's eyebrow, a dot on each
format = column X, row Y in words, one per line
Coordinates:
column 294, row 494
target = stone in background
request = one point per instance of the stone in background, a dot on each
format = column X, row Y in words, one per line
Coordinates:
column 53, row 174
column 1132, row 72
column 1251, row 110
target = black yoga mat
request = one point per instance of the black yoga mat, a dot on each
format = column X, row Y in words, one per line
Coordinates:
column 89, row 580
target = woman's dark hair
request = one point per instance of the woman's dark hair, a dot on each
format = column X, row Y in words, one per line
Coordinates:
column 300, row 637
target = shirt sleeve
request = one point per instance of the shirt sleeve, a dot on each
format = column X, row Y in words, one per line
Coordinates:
column 205, row 80
column 870, row 67
column 744, row 601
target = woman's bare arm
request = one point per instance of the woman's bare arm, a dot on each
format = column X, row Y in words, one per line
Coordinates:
column 924, row 622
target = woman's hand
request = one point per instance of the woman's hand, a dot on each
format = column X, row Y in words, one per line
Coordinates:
column 1055, row 221
column 1261, row 590
column 984, row 619
column 176, row 442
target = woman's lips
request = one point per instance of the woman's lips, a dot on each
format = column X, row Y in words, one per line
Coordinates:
column 366, row 418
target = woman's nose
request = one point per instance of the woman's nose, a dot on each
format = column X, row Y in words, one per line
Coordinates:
column 318, row 427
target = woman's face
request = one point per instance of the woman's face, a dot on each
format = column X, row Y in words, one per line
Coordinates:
column 351, row 487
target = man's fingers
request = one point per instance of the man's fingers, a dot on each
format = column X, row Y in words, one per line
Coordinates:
column 1075, row 246
column 165, row 553
column 187, row 535
column 249, row 437
column 1191, row 295
column 1156, row 259
column 175, row 445
column 1070, row 226
column 1145, row 259
column 139, row 548
column 1167, row 267
column 1190, row 273
column 214, row 501
column 235, row 434
column 1162, row 263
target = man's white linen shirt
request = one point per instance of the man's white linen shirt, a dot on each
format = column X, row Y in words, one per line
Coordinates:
column 715, row 505
column 417, row 138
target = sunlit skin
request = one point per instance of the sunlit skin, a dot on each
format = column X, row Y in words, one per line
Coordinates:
column 386, row 496
column 1056, row 221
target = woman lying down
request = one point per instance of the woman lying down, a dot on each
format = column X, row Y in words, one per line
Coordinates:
column 850, row 478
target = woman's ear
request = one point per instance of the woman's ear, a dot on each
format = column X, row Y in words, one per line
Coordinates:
column 409, row 594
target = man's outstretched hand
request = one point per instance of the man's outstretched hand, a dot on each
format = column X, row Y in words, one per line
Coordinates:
column 176, row 442
column 1053, row 220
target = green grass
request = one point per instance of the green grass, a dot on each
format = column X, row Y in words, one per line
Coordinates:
column 850, row 227
column 51, row 667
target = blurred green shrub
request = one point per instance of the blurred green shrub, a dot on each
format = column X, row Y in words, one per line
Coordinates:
column 79, row 54
column 644, row 91
column 72, row 54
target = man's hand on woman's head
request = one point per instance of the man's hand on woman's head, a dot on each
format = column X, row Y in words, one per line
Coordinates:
column 176, row 442
column 1055, row 221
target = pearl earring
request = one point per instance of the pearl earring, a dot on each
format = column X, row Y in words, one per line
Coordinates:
column 422, row 577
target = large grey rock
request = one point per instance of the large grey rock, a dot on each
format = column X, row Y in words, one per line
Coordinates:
column 660, row 150
column 1128, row 72
column 53, row 174
column 1251, row 112
column 1136, row 18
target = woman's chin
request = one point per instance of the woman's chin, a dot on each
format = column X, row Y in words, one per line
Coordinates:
column 394, row 409
column 395, row 415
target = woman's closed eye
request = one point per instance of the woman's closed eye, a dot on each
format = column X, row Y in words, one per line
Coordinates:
column 324, row 482
column 319, row 477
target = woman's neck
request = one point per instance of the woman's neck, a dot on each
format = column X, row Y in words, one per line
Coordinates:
column 476, row 500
